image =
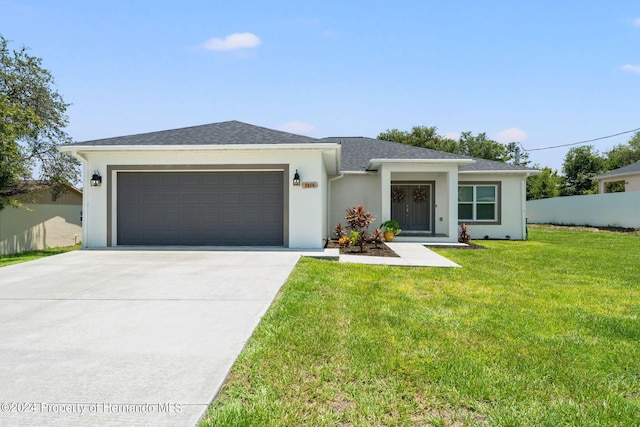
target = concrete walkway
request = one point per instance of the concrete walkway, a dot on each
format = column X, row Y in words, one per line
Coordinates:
column 410, row 254
column 127, row 338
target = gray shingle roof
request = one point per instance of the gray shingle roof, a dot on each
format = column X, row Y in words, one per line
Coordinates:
column 490, row 165
column 357, row 152
column 625, row 170
column 232, row 132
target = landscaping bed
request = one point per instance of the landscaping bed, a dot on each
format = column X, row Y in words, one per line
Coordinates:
column 369, row 249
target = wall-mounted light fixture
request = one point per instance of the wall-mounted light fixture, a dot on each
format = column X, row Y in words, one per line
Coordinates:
column 96, row 180
column 296, row 179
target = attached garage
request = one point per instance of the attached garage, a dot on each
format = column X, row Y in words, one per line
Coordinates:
column 218, row 208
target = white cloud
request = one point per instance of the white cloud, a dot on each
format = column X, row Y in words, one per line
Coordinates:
column 511, row 135
column 631, row 68
column 636, row 22
column 233, row 42
column 297, row 127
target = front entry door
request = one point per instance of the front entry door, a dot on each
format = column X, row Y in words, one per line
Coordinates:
column 411, row 206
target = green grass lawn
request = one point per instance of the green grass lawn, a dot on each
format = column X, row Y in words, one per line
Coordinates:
column 31, row 255
column 538, row 333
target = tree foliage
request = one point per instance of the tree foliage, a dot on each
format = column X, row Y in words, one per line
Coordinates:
column 580, row 165
column 421, row 136
column 623, row 154
column 32, row 121
column 468, row 144
column 545, row 185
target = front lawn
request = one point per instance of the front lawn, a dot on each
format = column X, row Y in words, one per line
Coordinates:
column 538, row 333
column 31, row 255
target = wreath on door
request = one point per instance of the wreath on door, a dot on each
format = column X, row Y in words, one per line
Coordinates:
column 419, row 195
column 398, row 195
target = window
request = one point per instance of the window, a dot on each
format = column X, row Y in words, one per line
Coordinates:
column 478, row 203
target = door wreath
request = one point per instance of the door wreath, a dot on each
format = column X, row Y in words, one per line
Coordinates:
column 398, row 195
column 419, row 195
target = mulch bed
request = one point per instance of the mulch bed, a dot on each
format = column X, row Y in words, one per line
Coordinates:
column 369, row 249
column 384, row 251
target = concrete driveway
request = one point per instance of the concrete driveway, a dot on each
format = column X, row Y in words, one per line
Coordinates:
column 127, row 337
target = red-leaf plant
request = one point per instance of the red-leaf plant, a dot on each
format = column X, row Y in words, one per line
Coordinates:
column 359, row 221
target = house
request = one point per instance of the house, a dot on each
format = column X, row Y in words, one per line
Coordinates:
column 236, row 184
column 44, row 220
column 628, row 176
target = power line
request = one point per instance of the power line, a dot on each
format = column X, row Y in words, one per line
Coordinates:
column 580, row 142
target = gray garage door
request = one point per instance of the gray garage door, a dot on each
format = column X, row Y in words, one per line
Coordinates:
column 200, row 208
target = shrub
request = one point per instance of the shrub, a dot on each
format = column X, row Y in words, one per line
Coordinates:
column 339, row 230
column 376, row 237
column 464, row 236
column 359, row 221
column 344, row 241
column 356, row 239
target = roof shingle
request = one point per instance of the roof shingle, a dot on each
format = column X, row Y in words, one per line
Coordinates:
column 231, row 132
column 357, row 152
column 625, row 170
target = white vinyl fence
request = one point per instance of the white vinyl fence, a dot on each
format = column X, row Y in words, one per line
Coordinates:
column 599, row 210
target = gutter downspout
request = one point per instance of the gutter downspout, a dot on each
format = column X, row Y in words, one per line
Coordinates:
column 523, row 208
column 85, row 199
column 330, row 181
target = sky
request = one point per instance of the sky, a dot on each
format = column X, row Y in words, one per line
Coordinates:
column 543, row 73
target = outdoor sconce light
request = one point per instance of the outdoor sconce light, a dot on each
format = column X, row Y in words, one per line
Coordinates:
column 296, row 179
column 96, row 180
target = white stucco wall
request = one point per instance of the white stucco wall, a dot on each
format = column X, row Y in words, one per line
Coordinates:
column 631, row 183
column 512, row 207
column 306, row 206
column 39, row 226
column 611, row 209
column 352, row 190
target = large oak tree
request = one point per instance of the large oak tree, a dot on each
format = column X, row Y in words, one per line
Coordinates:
column 32, row 121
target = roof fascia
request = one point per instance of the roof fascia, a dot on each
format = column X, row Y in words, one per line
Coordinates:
column 374, row 163
column 510, row 172
column 620, row 175
column 239, row 147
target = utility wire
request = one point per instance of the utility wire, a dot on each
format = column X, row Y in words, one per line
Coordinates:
column 580, row 142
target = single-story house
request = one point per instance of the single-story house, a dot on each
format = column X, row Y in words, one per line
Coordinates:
column 628, row 175
column 233, row 183
column 44, row 219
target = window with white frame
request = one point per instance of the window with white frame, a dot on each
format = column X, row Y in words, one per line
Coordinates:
column 478, row 202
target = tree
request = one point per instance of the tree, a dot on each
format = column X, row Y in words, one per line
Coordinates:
column 516, row 156
column 468, row 145
column 481, row 147
column 32, row 122
column 623, row 154
column 421, row 136
column 580, row 165
column 544, row 185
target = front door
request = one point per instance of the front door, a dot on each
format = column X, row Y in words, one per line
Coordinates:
column 411, row 206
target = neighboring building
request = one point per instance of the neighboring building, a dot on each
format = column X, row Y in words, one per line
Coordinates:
column 43, row 221
column 628, row 175
column 233, row 183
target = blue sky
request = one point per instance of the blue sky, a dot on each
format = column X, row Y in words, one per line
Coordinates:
column 542, row 73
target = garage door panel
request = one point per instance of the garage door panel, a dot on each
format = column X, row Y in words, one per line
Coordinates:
column 200, row 208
